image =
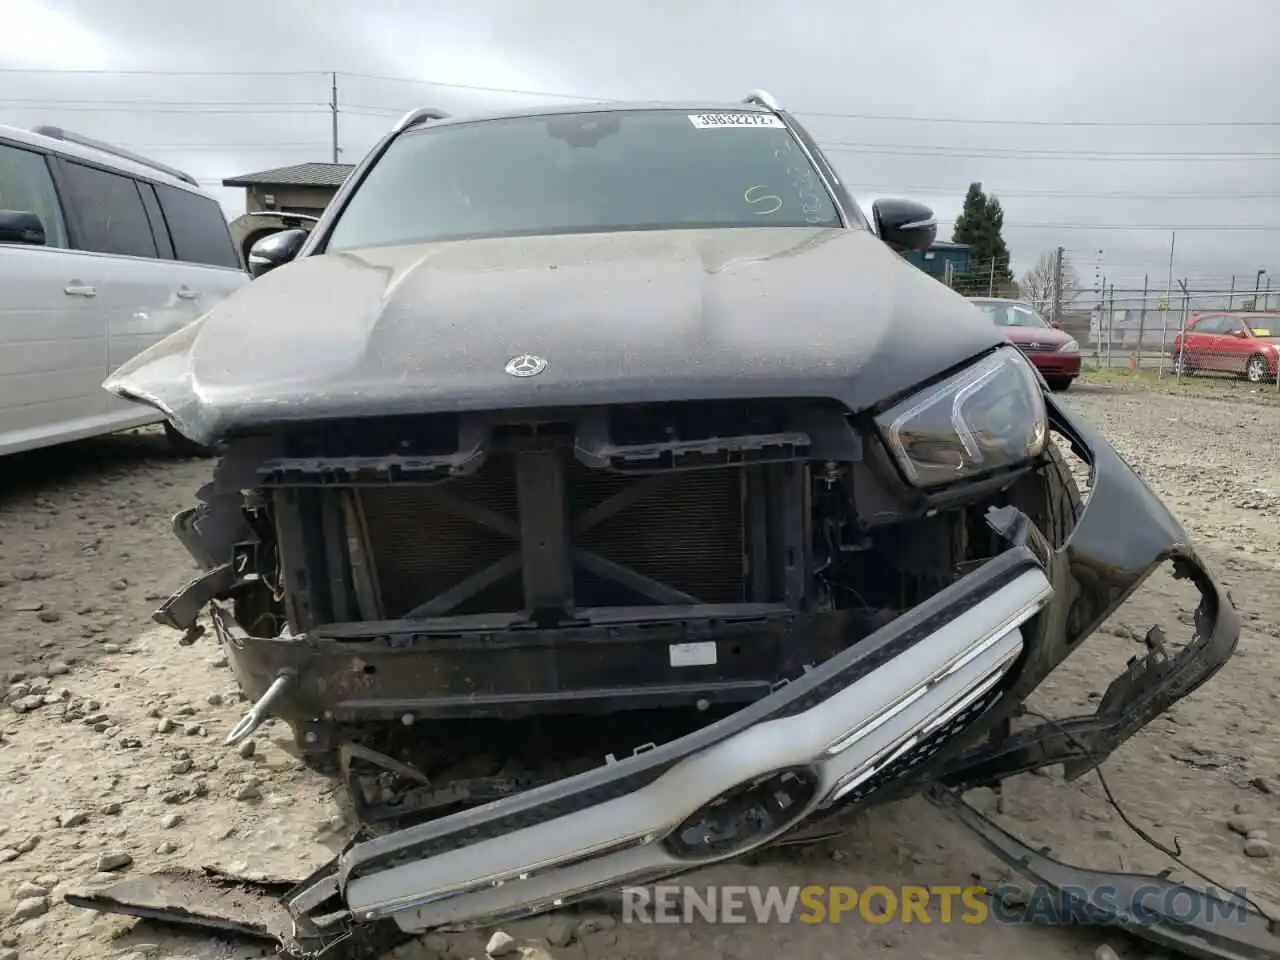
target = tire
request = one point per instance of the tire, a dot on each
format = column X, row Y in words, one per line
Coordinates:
column 1257, row 370
column 183, row 447
column 1050, row 497
column 1059, row 384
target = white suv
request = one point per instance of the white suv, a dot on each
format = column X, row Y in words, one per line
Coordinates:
column 102, row 253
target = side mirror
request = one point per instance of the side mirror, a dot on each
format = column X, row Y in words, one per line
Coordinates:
column 1240, row 334
column 1055, row 324
column 904, row 224
column 275, row 251
column 21, row 226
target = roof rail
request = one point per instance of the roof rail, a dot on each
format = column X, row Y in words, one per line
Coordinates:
column 420, row 115
column 57, row 133
column 762, row 98
column 282, row 215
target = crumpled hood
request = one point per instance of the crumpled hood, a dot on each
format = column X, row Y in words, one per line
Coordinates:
column 621, row 317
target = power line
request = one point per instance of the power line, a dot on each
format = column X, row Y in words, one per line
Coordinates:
column 71, row 71
column 825, row 146
column 924, row 150
column 220, row 147
column 326, row 74
column 253, row 106
column 1165, row 227
column 369, row 106
column 1018, row 153
column 231, row 111
column 899, row 118
column 901, row 150
column 993, row 121
column 886, row 149
column 137, row 101
column 1070, row 194
column 474, row 88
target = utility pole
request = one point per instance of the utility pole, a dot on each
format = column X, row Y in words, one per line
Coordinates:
column 1186, row 307
column 1102, row 319
column 1142, row 320
column 991, row 283
column 1057, row 285
column 1111, row 320
column 1231, row 297
column 1164, row 312
column 333, row 112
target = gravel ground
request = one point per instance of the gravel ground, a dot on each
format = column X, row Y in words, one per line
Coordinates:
column 109, row 756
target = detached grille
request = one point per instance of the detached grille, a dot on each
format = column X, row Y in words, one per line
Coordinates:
column 688, row 534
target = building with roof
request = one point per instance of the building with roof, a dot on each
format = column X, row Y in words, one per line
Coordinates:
column 283, row 198
column 304, row 188
column 943, row 260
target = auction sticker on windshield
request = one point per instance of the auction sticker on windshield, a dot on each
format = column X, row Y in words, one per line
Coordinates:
column 709, row 121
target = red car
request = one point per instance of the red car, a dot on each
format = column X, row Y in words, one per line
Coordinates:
column 1055, row 354
column 1241, row 343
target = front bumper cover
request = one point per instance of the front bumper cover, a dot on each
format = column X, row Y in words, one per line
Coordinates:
column 899, row 711
column 814, row 743
column 876, row 721
column 1056, row 364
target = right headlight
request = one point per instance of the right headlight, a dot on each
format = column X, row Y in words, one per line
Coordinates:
column 988, row 416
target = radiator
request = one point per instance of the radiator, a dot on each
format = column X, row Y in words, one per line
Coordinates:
column 689, row 535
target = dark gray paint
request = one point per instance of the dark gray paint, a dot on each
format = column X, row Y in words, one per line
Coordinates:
column 623, row 317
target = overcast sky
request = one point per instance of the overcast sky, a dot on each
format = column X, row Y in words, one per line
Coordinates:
column 1146, row 77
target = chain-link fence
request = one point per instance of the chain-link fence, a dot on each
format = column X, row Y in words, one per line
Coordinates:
column 1216, row 333
column 1186, row 330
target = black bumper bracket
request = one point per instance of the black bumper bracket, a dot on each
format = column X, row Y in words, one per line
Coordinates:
column 1206, row 925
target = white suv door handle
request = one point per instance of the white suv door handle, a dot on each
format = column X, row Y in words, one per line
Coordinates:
column 74, row 289
column 186, row 293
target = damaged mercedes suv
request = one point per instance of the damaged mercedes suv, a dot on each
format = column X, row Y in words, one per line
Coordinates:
column 602, row 495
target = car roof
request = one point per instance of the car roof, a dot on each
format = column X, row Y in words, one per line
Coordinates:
column 604, row 106
column 77, row 151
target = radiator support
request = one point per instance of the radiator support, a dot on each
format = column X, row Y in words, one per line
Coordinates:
column 537, row 532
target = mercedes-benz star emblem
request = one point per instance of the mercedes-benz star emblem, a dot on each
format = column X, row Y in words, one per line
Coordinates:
column 526, row 365
column 1033, row 345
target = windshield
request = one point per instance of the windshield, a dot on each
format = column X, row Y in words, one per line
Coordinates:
column 585, row 172
column 1013, row 315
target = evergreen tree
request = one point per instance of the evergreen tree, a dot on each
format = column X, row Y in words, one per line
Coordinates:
column 979, row 225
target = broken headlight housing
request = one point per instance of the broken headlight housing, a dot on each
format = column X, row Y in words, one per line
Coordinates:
column 985, row 417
